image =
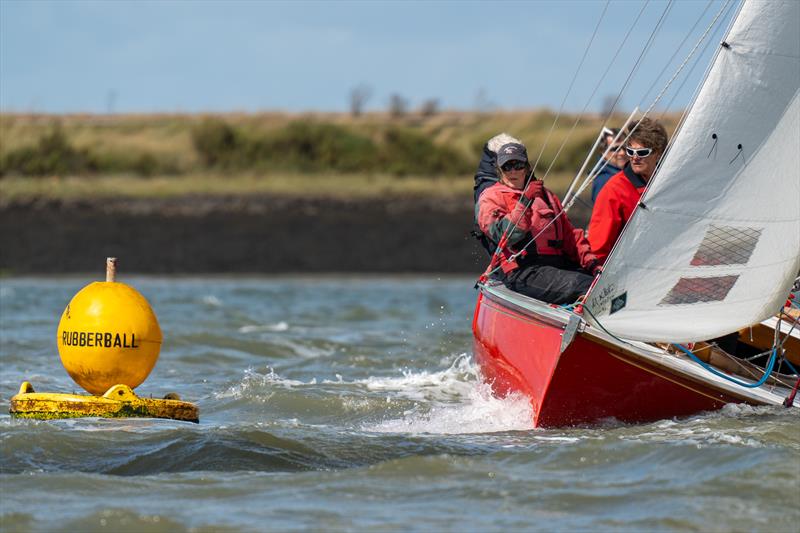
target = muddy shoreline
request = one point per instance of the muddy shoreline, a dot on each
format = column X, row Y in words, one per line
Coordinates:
column 253, row 234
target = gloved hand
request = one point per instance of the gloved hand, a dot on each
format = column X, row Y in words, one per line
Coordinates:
column 535, row 189
column 595, row 267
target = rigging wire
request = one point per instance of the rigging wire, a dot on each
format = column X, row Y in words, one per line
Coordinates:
column 591, row 177
column 729, row 5
column 510, row 228
column 634, row 69
column 572, row 84
column 675, row 53
column 658, row 98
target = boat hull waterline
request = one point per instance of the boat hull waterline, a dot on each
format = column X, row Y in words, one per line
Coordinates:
column 585, row 376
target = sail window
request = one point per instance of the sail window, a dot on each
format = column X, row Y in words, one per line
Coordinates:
column 698, row 290
column 726, row 245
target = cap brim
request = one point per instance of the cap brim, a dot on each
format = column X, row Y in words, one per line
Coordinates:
column 502, row 160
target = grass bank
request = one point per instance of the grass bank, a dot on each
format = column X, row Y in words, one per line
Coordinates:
column 73, row 156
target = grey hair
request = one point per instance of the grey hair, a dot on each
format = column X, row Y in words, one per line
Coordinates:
column 496, row 142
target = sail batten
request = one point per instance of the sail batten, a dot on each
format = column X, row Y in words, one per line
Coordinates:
column 718, row 245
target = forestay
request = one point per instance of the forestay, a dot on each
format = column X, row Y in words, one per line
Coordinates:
column 715, row 243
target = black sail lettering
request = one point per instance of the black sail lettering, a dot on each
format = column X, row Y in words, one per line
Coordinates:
column 82, row 339
column 117, row 341
column 133, row 340
column 107, row 340
column 90, row 339
column 74, row 339
column 64, row 338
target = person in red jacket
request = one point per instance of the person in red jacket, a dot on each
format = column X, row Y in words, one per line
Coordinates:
column 558, row 266
column 620, row 196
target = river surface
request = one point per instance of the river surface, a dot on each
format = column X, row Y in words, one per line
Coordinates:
column 345, row 403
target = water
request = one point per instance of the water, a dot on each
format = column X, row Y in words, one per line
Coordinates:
column 351, row 404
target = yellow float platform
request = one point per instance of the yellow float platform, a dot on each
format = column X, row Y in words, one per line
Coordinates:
column 118, row 402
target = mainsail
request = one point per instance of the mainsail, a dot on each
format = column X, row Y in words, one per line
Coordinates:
column 714, row 245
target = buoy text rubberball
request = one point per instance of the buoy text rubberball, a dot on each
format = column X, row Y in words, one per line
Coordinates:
column 108, row 335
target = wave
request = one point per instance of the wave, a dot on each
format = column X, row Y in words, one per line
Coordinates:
column 258, row 328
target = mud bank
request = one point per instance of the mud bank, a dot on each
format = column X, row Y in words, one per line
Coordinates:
column 239, row 235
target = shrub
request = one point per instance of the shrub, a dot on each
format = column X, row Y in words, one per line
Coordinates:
column 217, row 143
column 408, row 152
column 307, row 146
column 53, row 154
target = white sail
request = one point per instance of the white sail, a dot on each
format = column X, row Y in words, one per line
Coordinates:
column 716, row 244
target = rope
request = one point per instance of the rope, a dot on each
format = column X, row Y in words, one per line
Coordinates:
column 789, row 401
column 767, row 371
column 699, row 361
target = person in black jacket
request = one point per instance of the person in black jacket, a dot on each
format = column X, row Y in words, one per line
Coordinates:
column 486, row 175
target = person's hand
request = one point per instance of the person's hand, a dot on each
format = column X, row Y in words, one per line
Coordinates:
column 535, row 189
column 597, row 268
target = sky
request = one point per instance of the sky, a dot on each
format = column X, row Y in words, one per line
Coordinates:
column 122, row 56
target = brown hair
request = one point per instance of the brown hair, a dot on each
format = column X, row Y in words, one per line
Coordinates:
column 649, row 133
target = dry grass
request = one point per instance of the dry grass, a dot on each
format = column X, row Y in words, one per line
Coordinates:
column 169, row 138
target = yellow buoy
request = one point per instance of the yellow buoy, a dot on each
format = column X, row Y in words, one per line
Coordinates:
column 109, row 340
column 108, row 335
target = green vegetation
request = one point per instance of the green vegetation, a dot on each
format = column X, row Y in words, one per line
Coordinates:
column 274, row 153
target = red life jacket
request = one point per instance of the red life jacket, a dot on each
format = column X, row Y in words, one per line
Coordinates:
column 496, row 212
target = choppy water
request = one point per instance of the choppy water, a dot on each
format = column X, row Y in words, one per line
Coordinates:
column 351, row 404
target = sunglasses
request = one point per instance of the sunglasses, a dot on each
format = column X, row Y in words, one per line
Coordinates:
column 638, row 152
column 514, row 165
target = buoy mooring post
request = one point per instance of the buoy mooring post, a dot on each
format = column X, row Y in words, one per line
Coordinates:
column 108, row 340
column 111, row 269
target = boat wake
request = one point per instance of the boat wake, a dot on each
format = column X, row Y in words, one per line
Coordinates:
column 454, row 400
column 457, row 401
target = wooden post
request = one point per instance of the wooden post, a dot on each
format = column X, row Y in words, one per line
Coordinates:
column 111, row 268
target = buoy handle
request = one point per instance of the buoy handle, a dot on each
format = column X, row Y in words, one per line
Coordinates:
column 111, row 268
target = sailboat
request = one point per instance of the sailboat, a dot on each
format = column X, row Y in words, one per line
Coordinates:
column 712, row 250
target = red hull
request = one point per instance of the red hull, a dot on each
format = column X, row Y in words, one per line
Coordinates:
column 520, row 351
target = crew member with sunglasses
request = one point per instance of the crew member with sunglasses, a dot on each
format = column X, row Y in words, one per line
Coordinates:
column 618, row 199
column 612, row 159
column 558, row 265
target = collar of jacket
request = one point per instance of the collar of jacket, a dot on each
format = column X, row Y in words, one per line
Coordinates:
column 635, row 179
column 607, row 167
column 502, row 187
